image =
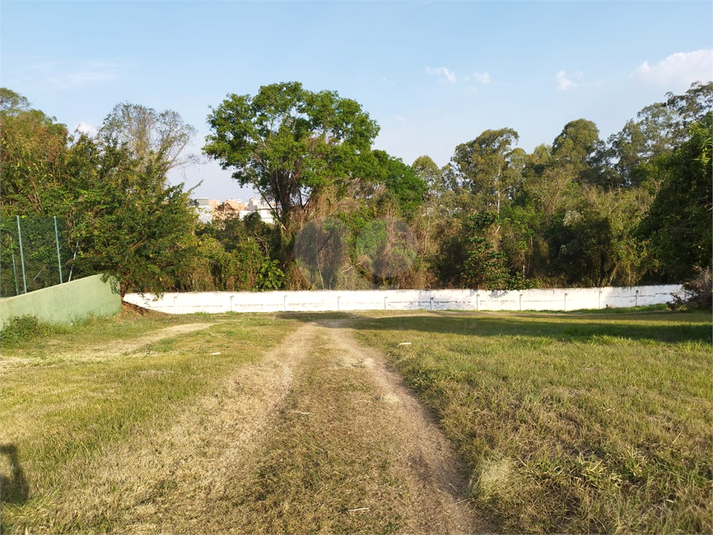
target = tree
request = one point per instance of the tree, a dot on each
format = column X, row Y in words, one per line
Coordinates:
column 575, row 146
column 427, row 170
column 293, row 145
column 487, row 166
column 33, row 149
column 126, row 223
column 484, row 266
column 401, row 184
column 679, row 222
column 659, row 129
column 12, row 102
column 159, row 139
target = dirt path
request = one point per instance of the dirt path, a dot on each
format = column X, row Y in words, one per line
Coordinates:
column 438, row 498
column 317, row 436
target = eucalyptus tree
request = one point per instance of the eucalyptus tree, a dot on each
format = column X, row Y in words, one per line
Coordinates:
column 490, row 166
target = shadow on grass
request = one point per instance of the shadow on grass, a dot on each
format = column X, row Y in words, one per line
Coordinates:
column 13, row 489
column 663, row 327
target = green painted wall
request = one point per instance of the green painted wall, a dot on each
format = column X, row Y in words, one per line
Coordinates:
column 66, row 302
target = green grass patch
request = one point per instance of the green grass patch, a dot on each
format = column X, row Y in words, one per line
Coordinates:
column 23, row 330
column 569, row 423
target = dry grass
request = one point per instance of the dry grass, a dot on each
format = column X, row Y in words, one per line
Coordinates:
column 65, row 421
column 263, row 424
column 569, row 423
column 256, row 424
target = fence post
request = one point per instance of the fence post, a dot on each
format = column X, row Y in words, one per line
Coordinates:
column 56, row 241
column 14, row 273
column 22, row 255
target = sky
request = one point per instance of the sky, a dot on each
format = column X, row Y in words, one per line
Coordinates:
column 432, row 74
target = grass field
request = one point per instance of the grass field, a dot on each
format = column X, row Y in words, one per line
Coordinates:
column 277, row 423
column 571, row 423
column 71, row 393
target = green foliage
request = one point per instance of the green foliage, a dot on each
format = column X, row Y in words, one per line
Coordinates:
column 292, row 145
column 121, row 217
column 489, row 167
column 271, row 276
column 679, row 222
column 33, row 149
column 21, row 330
column 484, row 266
column 633, row 208
column 402, row 186
column 128, row 224
column 39, row 251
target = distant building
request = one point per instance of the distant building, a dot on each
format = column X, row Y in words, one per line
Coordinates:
column 212, row 210
column 261, row 207
column 204, row 206
column 228, row 209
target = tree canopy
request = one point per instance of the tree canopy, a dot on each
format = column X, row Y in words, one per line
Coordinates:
column 292, row 145
column 577, row 211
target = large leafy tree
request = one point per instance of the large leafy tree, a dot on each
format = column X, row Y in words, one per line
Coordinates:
column 659, row 129
column 126, row 223
column 576, row 146
column 293, row 146
column 121, row 216
column 401, row 185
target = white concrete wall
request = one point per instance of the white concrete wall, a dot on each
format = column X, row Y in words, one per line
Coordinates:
column 335, row 300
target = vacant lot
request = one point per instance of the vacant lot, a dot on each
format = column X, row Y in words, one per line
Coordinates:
column 296, row 423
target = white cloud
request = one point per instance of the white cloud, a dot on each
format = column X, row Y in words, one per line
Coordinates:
column 87, row 75
column 682, row 67
column 449, row 75
column 399, row 119
column 482, row 77
column 565, row 81
column 87, row 129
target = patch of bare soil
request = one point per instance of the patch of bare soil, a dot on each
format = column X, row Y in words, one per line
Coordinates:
column 103, row 352
column 438, row 499
column 122, row 347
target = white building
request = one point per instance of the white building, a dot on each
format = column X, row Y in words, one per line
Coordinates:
column 261, row 207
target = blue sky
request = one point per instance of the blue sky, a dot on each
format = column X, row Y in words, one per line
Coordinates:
column 432, row 74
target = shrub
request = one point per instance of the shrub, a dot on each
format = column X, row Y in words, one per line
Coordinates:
column 698, row 293
column 24, row 328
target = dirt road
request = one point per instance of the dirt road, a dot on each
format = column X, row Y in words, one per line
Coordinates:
column 318, row 436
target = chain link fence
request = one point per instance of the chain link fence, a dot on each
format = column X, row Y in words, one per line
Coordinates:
column 34, row 253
